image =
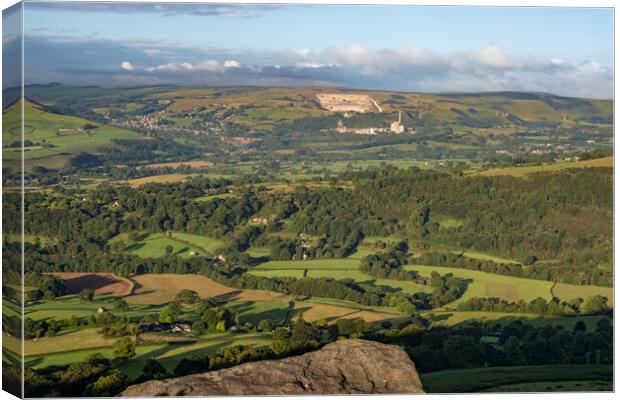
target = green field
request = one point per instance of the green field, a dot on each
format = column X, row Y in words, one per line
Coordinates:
column 285, row 273
column 168, row 354
column 62, row 133
column 483, row 284
column 183, row 244
column 257, row 252
column 328, row 264
column 64, row 307
column 485, row 256
column 10, row 308
column 211, row 197
column 455, row 318
column 81, row 339
column 255, row 311
column 210, row 244
column 540, row 377
column 346, row 268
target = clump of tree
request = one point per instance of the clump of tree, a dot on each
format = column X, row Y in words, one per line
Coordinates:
column 187, row 296
column 124, row 349
column 596, row 304
column 45, row 286
column 92, row 377
column 388, row 264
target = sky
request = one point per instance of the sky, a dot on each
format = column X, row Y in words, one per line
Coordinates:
column 566, row 51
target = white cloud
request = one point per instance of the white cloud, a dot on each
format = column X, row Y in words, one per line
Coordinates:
column 592, row 67
column 206, row 65
column 126, row 65
column 493, row 55
column 489, row 68
column 231, row 64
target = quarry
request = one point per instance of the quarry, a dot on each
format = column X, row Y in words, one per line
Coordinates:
column 343, row 102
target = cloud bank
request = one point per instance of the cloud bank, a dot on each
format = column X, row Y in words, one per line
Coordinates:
column 407, row 68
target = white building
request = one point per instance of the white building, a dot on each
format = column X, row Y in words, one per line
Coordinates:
column 396, row 126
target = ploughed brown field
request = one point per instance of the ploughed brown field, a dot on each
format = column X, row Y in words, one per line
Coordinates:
column 101, row 283
column 159, row 289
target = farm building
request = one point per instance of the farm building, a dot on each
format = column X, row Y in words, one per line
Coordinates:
column 180, row 328
column 164, row 327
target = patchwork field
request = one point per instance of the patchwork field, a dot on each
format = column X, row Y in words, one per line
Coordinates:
column 101, row 283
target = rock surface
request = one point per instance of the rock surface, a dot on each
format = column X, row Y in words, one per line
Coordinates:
column 349, row 366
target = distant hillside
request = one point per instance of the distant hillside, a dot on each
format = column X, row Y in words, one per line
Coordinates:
column 48, row 134
column 241, row 124
column 260, row 108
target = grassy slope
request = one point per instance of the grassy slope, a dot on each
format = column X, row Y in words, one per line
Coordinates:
column 64, row 307
column 484, row 284
column 41, row 126
column 168, row 355
column 154, row 245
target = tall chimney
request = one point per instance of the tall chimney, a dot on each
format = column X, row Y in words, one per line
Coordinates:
column 399, row 116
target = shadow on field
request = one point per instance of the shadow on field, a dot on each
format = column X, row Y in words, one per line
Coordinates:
column 135, row 246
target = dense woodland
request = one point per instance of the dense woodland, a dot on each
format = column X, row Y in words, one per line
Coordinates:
column 564, row 217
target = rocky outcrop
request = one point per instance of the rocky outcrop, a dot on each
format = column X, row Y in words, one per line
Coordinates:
column 350, row 366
